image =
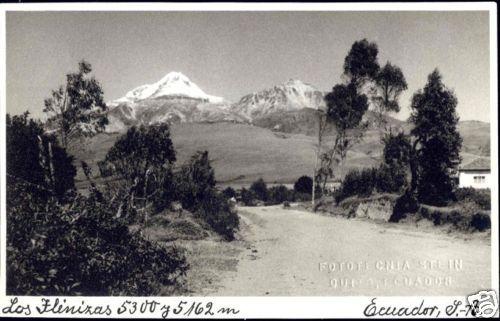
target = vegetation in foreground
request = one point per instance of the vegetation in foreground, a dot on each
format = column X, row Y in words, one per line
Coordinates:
column 60, row 242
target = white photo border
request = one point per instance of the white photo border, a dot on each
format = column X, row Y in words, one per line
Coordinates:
column 260, row 307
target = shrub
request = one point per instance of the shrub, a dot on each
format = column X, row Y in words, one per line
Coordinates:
column 390, row 179
column 480, row 221
column 279, row 194
column 406, row 203
column 247, row 197
column 219, row 214
column 229, row 192
column 480, row 197
column 82, row 249
column 36, row 160
column 303, row 185
column 142, row 159
column 259, row 188
column 382, row 179
column 301, row 197
column 195, row 181
column 196, row 190
column 357, row 183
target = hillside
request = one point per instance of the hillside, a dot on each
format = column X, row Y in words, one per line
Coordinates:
column 241, row 153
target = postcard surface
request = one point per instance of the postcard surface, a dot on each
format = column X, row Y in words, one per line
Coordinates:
column 249, row 160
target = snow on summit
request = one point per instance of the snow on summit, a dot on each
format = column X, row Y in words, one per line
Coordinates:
column 173, row 84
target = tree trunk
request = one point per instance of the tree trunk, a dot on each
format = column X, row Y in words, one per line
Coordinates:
column 318, row 152
column 413, row 167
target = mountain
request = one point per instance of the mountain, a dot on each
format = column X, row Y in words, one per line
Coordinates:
column 174, row 98
column 293, row 95
column 289, row 108
column 172, row 85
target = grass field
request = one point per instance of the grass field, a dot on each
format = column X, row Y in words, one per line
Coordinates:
column 242, row 153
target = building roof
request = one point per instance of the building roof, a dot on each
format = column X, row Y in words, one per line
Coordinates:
column 481, row 163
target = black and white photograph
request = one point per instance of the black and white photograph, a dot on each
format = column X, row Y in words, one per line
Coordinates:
column 240, row 153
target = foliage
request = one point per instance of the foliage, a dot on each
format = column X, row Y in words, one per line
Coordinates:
column 36, row 160
column 364, row 183
column 279, row 194
column 77, row 108
column 219, row 214
column 259, row 188
column 406, row 203
column 345, row 110
column 389, row 84
column 345, row 106
column 229, row 192
column 247, row 197
column 464, row 218
column 195, row 187
column 361, row 64
column 81, row 249
column 397, row 149
column 303, row 185
column 142, row 159
column 139, row 150
column 481, row 198
column 439, row 142
column 195, row 180
column 480, row 221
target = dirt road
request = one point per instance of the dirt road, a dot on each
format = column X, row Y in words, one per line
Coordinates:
column 293, row 252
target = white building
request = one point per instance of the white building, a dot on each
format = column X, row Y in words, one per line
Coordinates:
column 476, row 174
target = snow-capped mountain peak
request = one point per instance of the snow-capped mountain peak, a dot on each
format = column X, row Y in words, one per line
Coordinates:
column 173, row 98
column 172, row 85
column 289, row 96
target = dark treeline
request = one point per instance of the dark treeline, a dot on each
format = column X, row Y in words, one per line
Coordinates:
column 260, row 194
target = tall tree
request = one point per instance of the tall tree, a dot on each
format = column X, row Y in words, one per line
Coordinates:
column 437, row 141
column 389, row 84
column 346, row 105
column 345, row 110
column 77, row 108
column 360, row 64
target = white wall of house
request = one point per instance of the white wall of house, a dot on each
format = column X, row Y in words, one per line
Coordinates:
column 475, row 179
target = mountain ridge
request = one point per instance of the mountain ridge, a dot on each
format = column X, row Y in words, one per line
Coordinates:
column 288, row 107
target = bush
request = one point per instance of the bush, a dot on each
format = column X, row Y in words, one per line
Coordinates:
column 82, row 249
column 196, row 190
column 142, row 159
column 303, row 185
column 219, row 214
column 390, row 179
column 462, row 218
column 229, row 192
column 259, row 188
column 406, row 203
column 481, row 221
column 383, row 179
column 279, row 194
column 301, row 197
column 361, row 183
column 36, row 160
column 247, row 197
column 480, row 197
column 195, row 180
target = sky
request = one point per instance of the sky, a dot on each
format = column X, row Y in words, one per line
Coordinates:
column 231, row 54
